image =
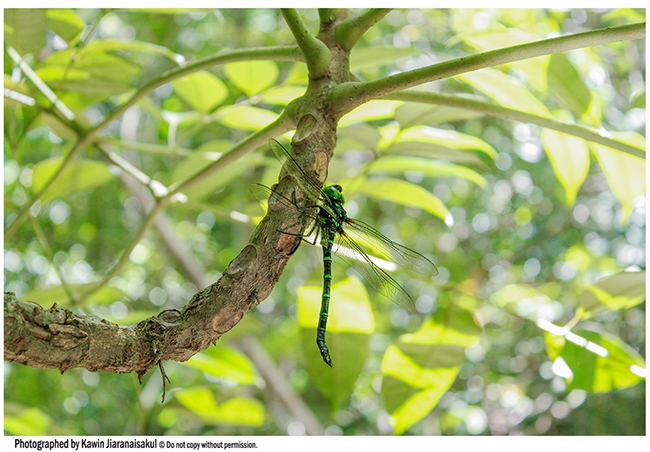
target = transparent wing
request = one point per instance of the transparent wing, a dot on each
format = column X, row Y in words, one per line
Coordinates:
column 399, row 254
column 307, row 183
column 373, row 275
column 263, row 193
column 354, row 256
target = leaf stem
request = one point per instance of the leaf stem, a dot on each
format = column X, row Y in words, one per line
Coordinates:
column 280, row 53
column 347, row 96
column 47, row 249
column 126, row 254
column 328, row 15
column 316, row 54
column 350, row 31
column 282, row 124
column 515, row 115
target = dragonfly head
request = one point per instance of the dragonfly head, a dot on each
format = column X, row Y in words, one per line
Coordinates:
column 335, row 192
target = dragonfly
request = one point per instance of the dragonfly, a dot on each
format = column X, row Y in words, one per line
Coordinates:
column 334, row 227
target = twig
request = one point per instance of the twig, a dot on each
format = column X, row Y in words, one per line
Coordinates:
column 347, row 96
column 515, row 115
column 316, row 54
column 351, row 30
column 281, row 125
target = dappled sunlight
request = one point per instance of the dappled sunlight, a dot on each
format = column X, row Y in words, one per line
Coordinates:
column 491, row 164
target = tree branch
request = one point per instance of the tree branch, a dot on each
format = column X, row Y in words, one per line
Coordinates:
column 328, row 15
column 58, row 338
column 515, row 115
column 281, row 125
column 350, row 31
column 316, row 54
column 347, row 96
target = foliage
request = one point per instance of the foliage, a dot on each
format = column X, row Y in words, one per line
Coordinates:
column 536, row 323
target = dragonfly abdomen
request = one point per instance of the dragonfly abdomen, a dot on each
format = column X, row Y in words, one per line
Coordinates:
column 327, row 242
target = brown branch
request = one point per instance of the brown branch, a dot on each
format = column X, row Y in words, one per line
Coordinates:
column 60, row 339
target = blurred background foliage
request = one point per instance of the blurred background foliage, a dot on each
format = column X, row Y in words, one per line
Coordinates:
column 527, row 239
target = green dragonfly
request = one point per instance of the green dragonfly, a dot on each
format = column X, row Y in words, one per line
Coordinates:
column 331, row 223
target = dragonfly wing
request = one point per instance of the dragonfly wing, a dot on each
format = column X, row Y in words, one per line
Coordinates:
column 306, row 182
column 375, row 276
column 399, row 254
column 263, row 193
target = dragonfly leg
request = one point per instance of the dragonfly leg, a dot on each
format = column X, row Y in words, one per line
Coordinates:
column 302, row 236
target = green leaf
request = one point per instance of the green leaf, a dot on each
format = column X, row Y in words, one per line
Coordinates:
column 493, row 38
column 226, row 363
column 349, row 327
column 618, row 291
column 66, row 23
column 524, row 301
column 506, row 90
column 625, row 173
column 132, row 317
column 359, row 136
column 80, row 81
column 350, row 312
column 439, row 143
column 78, row 175
column 282, row 95
column 412, row 114
column 115, row 45
column 25, row 29
column 365, row 58
column 29, row 422
column 600, row 362
column 209, row 153
column 370, row 111
column 428, row 167
column 84, row 78
column 403, row 193
column 252, row 77
column 569, row 157
column 567, row 84
column 202, row 90
column 420, row 367
column 235, row 411
column 298, row 75
column 182, row 119
column 101, row 65
column 171, row 11
column 244, row 117
column 47, row 296
column 15, row 85
column 59, row 128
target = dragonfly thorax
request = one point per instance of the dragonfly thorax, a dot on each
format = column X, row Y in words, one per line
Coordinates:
column 335, row 192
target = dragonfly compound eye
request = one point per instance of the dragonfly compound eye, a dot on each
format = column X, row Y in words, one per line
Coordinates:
column 335, row 192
